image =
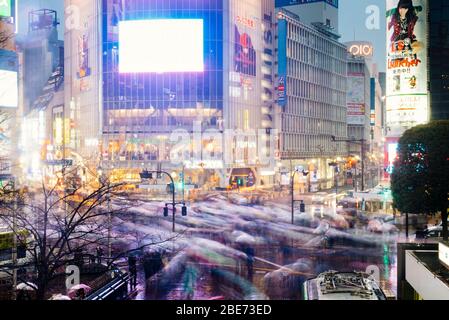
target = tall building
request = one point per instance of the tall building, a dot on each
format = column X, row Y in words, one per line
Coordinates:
column 9, row 97
column 407, row 62
column 358, row 98
column 139, row 77
column 41, row 93
column 417, row 67
column 312, row 98
column 323, row 14
column 438, row 61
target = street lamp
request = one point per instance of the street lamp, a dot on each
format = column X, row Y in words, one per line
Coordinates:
column 302, row 205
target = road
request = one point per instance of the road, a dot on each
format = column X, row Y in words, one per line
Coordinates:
column 208, row 259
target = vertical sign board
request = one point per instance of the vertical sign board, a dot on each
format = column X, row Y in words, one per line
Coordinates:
column 356, row 99
column 282, row 63
column 373, row 102
column 407, row 94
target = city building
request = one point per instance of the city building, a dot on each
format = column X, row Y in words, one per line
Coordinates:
column 358, row 116
column 131, row 112
column 8, row 90
column 417, row 70
column 377, row 128
column 41, row 95
column 322, row 14
column 408, row 98
column 311, row 90
column 438, row 61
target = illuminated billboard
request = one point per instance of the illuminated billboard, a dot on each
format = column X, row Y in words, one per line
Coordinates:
column 5, row 8
column 8, row 89
column 360, row 48
column 168, row 45
column 407, row 95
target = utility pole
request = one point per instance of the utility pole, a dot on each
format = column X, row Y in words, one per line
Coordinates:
column 14, row 248
column 109, row 228
column 149, row 175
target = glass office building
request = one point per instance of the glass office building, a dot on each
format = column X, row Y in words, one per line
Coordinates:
column 141, row 108
column 127, row 105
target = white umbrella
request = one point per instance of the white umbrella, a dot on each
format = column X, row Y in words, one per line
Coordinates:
column 26, row 286
column 73, row 290
column 60, row 297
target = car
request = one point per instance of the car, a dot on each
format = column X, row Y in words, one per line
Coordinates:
column 430, row 232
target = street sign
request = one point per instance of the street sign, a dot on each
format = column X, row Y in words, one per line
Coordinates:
column 63, row 163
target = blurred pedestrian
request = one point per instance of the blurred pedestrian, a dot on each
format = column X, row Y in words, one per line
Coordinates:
column 132, row 266
column 189, row 280
column 250, row 262
column 99, row 254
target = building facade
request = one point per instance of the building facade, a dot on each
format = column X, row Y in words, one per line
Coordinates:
column 438, row 61
column 130, row 121
column 41, row 90
column 312, row 98
column 9, row 96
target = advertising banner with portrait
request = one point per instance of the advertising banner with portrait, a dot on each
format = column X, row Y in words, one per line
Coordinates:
column 247, row 44
column 356, row 99
column 407, row 62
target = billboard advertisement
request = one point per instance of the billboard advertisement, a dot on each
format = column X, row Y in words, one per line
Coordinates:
column 5, row 8
column 356, row 99
column 407, row 100
column 9, row 94
column 244, row 55
column 171, row 45
column 282, row 63
column 83, row 57
column 246, row 48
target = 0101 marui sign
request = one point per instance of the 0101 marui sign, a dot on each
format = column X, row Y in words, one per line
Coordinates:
column 407, row 101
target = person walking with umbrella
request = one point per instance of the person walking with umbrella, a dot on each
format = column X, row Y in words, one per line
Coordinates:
column 132, row 265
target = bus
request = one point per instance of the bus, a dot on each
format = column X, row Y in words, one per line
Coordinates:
column 334, row 285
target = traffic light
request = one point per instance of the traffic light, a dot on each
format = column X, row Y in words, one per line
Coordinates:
column 184, row 210
column 146, row 175
column 166, row 211
column 170, row 188
column 302, row 207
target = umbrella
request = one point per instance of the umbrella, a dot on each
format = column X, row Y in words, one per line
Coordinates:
column 26, row 286
column 60, row 297
column 80, row 287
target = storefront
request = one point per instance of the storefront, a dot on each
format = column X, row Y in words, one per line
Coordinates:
column 242, row 178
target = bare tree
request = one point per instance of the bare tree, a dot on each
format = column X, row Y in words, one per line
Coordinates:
column 59, row 221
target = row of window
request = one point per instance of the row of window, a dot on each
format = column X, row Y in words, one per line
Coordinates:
column 304, row 107
column 307, row 36
column 296, row 124
column 161, row 5
column 318, row 145
column 316, row 75
column 313, row 92
column 300, row 52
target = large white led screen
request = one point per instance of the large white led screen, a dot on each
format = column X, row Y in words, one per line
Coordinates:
column 9, row 94
column 162, row 45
